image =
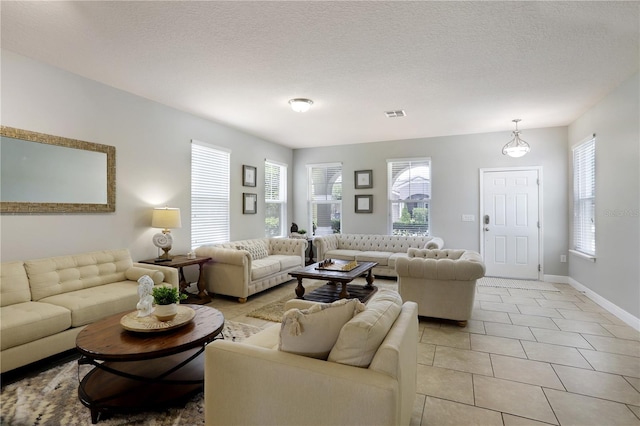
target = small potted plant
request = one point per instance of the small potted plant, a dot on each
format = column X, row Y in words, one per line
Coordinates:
column 302, row 231
column 166, row 299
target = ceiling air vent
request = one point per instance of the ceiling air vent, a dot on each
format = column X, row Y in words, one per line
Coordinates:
column 397, row 113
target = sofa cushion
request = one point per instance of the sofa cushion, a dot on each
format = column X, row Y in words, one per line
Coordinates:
column 26, row 322
column 312, row 332
column 135, row 273
column 14, row 284
column 264, row 267
column 91, row 304
column 342, row 254
column 360, row 337
column 381, row 257
column 286, row 262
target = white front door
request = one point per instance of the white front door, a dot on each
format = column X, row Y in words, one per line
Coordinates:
column 510, row 223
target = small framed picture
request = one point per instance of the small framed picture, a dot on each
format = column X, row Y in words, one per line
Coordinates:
column 248, row 176
column 249, row 203
column 363, row 179
column 364, row 203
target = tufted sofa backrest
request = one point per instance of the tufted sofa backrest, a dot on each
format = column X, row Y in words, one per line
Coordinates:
column 390, row 243
column 57, row 275
column 449, row 264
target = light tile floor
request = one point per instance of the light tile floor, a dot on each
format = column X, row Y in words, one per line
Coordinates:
column 525, row 358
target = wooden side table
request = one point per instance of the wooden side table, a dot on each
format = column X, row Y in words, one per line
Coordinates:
column 179, row 262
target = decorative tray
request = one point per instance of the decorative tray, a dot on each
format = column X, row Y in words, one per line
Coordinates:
column 340, row 265
column 151, row 324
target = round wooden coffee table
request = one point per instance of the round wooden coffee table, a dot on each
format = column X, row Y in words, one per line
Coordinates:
column 144, row 370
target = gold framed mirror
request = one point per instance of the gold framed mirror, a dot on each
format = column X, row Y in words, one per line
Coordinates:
column 42, row 173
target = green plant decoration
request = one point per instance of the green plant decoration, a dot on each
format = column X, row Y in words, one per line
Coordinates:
column 167, row 295
column 302, row 231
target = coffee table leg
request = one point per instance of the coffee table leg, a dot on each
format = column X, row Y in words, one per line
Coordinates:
column 370, row 278
column 299, row 288
column 344, row 293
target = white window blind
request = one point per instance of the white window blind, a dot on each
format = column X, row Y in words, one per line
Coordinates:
column 409, row 191
column 275, row 198
column 584, row 197
column 210, row 169
column 325, row 197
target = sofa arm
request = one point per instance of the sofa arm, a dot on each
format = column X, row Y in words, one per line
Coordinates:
column 224, row 255
column 435, row 243
column 250, row 385
column 170, row 274
column 325, row 243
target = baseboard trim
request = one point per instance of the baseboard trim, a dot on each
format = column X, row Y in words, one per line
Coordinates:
column 609, row 306
column 560, row 279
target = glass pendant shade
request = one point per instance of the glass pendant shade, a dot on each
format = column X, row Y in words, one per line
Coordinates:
column 516, row 147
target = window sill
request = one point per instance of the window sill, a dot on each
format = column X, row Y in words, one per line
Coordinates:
column 583, row 255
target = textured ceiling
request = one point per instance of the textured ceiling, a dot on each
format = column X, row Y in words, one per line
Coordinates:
column 454, row 67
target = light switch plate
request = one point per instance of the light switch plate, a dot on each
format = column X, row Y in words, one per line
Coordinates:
column 468, row 218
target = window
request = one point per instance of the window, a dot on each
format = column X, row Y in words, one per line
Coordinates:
column 325, row 198
column 209, row 194
column 409, row 189
column 584, row 197
column 275, row 199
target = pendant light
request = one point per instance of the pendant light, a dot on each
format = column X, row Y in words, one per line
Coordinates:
column 516, row 147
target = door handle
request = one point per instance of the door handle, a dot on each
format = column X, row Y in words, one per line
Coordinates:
column 486, row 229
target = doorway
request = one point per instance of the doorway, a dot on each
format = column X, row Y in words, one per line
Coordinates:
column 510, row 222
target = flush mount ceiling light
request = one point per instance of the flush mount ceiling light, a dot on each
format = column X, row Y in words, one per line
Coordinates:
column 300, row 104
column 516, row 147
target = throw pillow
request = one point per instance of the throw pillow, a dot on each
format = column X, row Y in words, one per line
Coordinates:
column 134, row 273
column 313, row 332
column 257, row 250
column 360, row 338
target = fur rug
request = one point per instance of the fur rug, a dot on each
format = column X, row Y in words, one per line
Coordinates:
column 51, row 398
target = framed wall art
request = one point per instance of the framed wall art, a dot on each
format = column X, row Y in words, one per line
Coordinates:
column 364, row 203
column 363, row 179
column 248, row 175
column 249, row 203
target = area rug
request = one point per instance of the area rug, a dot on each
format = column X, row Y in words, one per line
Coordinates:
column 516, row 284
column 274, row 311
column 51, row 398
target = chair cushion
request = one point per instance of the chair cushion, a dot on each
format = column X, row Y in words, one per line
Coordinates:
column 286, row 261
column 360, row 338
column 135, row 273
column 312, row 332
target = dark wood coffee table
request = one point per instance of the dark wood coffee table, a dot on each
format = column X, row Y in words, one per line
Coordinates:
column 329, row 292
column 144, row 370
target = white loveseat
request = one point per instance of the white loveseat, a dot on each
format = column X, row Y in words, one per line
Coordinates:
column 255, row 383
column 243, row 268
column 383, row 249
column 45, row 303
column 441, row 282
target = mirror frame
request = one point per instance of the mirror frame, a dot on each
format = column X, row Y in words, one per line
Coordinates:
column 29, row 207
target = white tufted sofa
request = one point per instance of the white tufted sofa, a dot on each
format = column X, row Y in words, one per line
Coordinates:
column 383, row 249
column 234, row 271
column 441, row 282
column 46, row 302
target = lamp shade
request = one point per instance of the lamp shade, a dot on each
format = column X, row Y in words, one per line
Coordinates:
column 166, row 218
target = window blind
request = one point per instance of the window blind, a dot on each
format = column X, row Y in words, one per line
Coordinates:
column 275, row 197
column 325, row 197
column 409, row 192
column 210, row 169
column 584, row 197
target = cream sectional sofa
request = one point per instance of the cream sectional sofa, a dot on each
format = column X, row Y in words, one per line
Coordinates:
column 371, row 381
column 243, row 268
column 383, row 249
column 45, row 303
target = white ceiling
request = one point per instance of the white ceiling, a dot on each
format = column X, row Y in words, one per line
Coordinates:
column 454, row 67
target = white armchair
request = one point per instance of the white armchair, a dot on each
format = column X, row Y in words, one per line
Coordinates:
column 441, row 282
column 253, row 383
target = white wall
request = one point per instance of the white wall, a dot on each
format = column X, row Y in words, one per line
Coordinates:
column 153, row 157
column 615, row 275
column 456, row 161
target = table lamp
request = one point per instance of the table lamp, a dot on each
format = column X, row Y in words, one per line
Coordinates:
column 165, row 218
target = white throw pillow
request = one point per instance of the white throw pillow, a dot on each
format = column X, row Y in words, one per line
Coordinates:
column 360, row 338
column 313, row 332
